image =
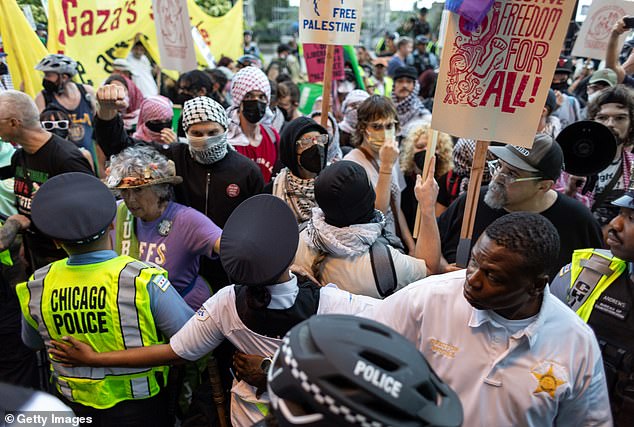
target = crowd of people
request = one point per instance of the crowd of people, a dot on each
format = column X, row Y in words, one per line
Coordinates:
column 243, row 259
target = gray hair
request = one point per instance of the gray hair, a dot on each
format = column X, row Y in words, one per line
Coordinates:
column 138, row 161
column 22, row 108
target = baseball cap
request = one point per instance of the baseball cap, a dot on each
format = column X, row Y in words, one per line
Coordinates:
column 604, row 75
column 544, row 157
column 564, row 65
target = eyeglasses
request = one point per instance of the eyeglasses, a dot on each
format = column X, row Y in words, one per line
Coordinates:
column 309, row 141
column 380, row 126
column 59, row 124
column 495, row 168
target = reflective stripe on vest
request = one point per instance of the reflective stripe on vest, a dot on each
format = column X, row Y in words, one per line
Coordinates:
column 582, row 296
column 121, row 316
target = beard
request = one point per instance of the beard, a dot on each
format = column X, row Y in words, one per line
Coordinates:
column 496, row 196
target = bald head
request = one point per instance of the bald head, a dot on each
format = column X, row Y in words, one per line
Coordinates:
column 20, row 106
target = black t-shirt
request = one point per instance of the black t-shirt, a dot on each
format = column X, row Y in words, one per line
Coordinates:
column 30, row 171
column 576, row 226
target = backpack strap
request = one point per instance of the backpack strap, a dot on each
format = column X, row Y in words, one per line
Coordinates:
column 383, row 268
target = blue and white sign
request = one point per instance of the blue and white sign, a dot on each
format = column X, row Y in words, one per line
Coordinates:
column 336, row 22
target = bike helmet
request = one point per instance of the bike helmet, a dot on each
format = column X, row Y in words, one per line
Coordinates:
column 350, row 371
column 249, row 60
column 57, row 63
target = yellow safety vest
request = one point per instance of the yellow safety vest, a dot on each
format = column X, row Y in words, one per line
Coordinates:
column 387, row 83
column 107, row 306
column 616, row 265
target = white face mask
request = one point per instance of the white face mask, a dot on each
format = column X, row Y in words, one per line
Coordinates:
column 593, row 96
column 208, row 149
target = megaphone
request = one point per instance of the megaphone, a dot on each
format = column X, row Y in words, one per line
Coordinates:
column 589, row 147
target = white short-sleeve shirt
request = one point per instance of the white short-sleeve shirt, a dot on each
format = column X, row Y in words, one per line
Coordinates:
column 549, row 373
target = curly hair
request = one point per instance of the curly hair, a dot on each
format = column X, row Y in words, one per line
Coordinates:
column 376, row 107
column 619, row 94
column 530, row 235
column 444, row 150
column 138, row 161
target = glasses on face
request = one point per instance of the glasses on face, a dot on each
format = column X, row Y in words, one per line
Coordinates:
column 59, row 124
column 309, row 141
column 380, row 126
column 158, row 125
column 495, row 168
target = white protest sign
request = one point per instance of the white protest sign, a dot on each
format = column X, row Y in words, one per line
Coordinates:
column 203, row 48
column 493, row 81
column 336, row 22
column 173, row 34
column 592, row 40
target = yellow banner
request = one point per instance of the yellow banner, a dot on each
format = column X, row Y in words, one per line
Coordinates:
column 96, row 32
column 24, row 48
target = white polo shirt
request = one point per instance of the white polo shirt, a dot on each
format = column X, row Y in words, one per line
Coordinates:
column 218, row 318
column 548, row 373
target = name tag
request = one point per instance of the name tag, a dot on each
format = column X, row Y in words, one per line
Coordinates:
column 612, row 307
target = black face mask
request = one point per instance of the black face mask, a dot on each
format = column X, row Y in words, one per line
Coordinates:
column 3, row 69
column 181, row 98
column 561, row 87
column 253, row 110
column 53, row 87
column 157, row 126
column 419, row 159
column 313, row 159
column 62, row 133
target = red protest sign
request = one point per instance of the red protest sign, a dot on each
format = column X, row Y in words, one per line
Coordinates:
column 315, row 57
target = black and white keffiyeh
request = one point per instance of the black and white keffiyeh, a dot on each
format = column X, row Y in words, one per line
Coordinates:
column 203, row 109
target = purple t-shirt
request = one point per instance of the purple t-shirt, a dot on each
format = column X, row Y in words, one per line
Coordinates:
column 191, row 235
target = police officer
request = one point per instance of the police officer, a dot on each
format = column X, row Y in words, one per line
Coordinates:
column 113, row 302
column 598, row 285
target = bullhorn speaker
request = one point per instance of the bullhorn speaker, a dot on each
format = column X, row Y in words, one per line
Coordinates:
column 589, row 147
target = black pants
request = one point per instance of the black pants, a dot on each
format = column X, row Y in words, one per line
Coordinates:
column 128, row 413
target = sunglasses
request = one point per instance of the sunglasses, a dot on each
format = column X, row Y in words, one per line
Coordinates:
column 59, row 124
column 309, row 141
column 156, row 126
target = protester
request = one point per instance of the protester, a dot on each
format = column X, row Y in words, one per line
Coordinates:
column 249, row 46
column 142, row 70
column 343, row 242
column 612, row 55
column 288, row 100
column 523, row 181
column 405, row 97
column 152, row 228
column 303, row 148
column 569, row 110
column 421, row 26
column 613, row 108
column 404, row 48
column 253, row 314
column 134, row 96
column 41, row 156
column 348, row 347
column 377, row 152
column 251, row 92
column 131, row 304
column 284, row 63
column 493, row 332
column 412, row 162
column 598, row 285
column 349, row 110
column 207, row 154
column 77, row 100
column 6, row 83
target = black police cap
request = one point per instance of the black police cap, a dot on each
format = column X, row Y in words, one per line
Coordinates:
column 259, row 241
column 73, row 207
